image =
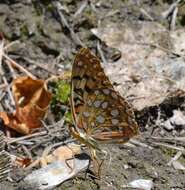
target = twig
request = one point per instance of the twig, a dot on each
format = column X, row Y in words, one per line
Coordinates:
column 16, row 65
column 166, row 13
column 27, row 151
column 9, row 92
column 50, row 128
column 16, row 140
column 42, row 66
column 1, row 56
column 136, row 142
column 26, row 143
column 3, row 86
column 176, row 157
column 109, row 14
column 146, row 14
column 57, row 127
column 64, row 23
column 14, row 75
column 169, row 146
column 169, row 139
column 173, row 20
column 81, row 8
column 93, row 7
column 58, row 59
column 5, row 165
column 1, row 97
column 101, row 52
column 11, row 44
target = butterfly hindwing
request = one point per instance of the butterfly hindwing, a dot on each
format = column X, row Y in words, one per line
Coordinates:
column 98, row 110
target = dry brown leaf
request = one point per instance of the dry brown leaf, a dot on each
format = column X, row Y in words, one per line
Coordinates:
column 32, row 100
column 5, row 118
column 66, row 152
column 62, row 153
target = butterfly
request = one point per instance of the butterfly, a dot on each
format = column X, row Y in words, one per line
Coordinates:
column 100, row 113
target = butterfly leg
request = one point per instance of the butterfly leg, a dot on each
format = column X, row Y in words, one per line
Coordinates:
column 71, row 165
column 97, row 163
column 68, row 163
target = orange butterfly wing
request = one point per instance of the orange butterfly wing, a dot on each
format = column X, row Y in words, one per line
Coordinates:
column 98, row 110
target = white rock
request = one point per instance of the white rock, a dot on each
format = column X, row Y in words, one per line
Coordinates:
column 142, row 184
column 54, row 174
column 178, row 119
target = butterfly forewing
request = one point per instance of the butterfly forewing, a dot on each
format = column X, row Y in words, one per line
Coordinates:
column 98, row 110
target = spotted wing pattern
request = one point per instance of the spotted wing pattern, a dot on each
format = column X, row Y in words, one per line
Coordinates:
column 99, row 112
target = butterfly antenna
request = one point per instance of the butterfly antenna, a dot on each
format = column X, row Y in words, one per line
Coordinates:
column 110, row 160
column 107, row 154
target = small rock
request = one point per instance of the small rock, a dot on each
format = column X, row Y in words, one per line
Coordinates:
column 141, row 184
column 177, row 121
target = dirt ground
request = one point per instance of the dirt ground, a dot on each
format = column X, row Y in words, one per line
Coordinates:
column 41, row 37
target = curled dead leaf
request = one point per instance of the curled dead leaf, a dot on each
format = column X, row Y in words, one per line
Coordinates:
column 62, row 153
column 32, row 100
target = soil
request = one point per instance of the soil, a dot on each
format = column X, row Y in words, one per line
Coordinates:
column 40, row 36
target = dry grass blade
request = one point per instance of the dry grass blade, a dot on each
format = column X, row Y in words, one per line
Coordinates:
column 3, row 86
column 40, row 65
column 1, row 55
column 2, row 141
column 169, row 139
column 176, row 157
column 65, row 23
column 173, row 20
column 101, row 52
column 81, row 8
column 169, row 146
column 5, row 165
column 166, row 13
column 138, row 143
column 16, row 65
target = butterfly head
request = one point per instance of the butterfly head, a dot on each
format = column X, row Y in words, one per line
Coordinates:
column 89, row 141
